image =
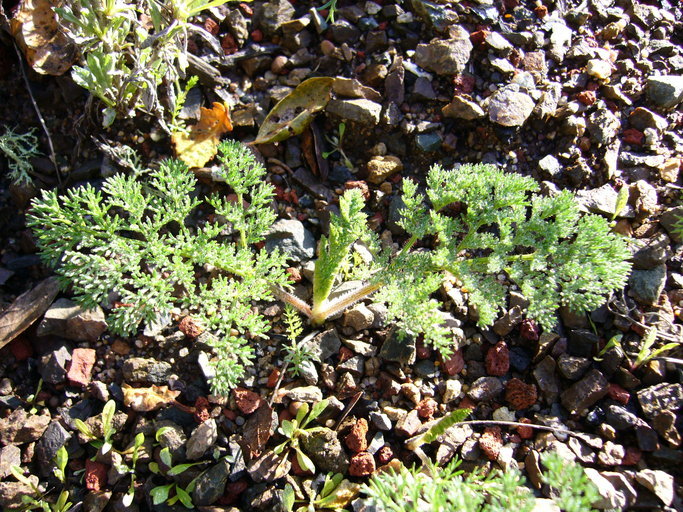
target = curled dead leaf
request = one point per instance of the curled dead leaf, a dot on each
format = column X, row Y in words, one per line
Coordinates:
column 199, row 146
column 47, row 49
column 294, row 112
column 148, row 399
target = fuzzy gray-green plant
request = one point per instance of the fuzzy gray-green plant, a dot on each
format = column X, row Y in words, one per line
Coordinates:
column 476, row 223
column 19, row 148
column 140, row 248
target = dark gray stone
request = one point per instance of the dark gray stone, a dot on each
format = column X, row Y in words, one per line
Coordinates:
column 572, row 368
column 660, row 398
column 146, row 371
column 665, row 91
column 585, row 393
column 291, row 237
column 325, row 450
column 211, row 484
column 582, row 343
column 646, row 285
column 485, row 388
column 53, row 365
column 620, row 418
column 547, row 381
column 398, row 348
column 54, row 437
column 324, row 345
column 428, row 142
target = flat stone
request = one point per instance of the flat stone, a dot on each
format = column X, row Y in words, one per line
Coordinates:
column 485, row 388
column 10, row 455
column 659, row 398
column 211, row 484
column 463, row 107
column 510, row 107
column 325, row 450
column 54, row 437
column 11, row 493
column 68, row 320
column 360, row 111
column 203, row 437
column 547, row 381
column 398, row 349
column 53, row 365
column 146, row 371
column 310, row 394
column 647, row 285
column 659, row 482
column 381, row 168
column 573, row 368
column 291, row 237
column 585, row 393
column 445, row 57
column 669, row 219
column 324, row 345
column 21, row 427
column 665, row 91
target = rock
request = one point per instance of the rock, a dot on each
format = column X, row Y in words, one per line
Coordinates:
column 361, row 347
column 355, row 365
column 203, row 438
column 269, row 467
column 642, row 118
column 665, row 424
column 603, row 126
column 491, row 442
column 272, row 15
column 53, row 365
column 463, row 107
column 659, row 482
column 452, row 390
column 362, row 464
column 146, row 371
column 585, row 393
column 509, row 107
column 291, row 237
column 356, row 440
column 551, row 165
column 646, row 437
column 572, row 368
column 511, row 319
column 599, row 69
column 361, row 111
column 325, row 450
column 408, row 425
column 54, row 437
column 659, row 398
column 611, row 454
column 309, row 394
column 247, row 401
column 427, row 142
column 10, row 455
column 651, row 252
column 324, row 345
column 646, row 285
column 380, row 168
column 520, row 395
column 645, row 197
column 665, row 91
column 67, row 319
column 380, row 421
column 399, row 349
column 342, row 31
column 20, row 427
column 95, row 475
column 620, row 418
column 610, row 497
column 426, row 369
column 445, row 57
column 498, row 360
column 582, row 343
column 96, row 501
column 211, row 484
column 545, row 505
column 173, row 438
column 485, row 388
column 547, row 381
column 669, row 219
column 11, row 493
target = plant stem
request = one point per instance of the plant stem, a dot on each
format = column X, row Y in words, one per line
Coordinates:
column 324, row 310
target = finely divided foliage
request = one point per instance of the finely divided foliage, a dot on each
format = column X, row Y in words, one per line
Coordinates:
column 133, row 248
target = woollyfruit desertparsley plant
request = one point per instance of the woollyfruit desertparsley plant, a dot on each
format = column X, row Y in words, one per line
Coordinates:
column 141, row 249
column 474, row 223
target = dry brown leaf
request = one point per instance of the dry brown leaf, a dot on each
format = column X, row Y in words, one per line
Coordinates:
column 47, row 49
column 294, row 112
column 26, row 309
column 199, row 146
column 257, row 431
column 147, row 399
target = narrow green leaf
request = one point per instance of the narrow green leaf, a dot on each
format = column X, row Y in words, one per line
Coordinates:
column 160, row 494
column 166, row 458
column 184, row 497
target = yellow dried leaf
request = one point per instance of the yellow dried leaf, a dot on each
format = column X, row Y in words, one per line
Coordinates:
column 147, row 399
column 199, row 146
column 47, row 49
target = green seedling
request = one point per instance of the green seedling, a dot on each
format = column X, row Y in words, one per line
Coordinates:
column 331, row 5
column 61, row 459
column 19, row 149
column 294, row 430
column 297, row 353
column 335, row 493
column 615, row 341
column 646, row 353
column 172, row 493
column 39, row 500
column 108, row 430
column 336, row 142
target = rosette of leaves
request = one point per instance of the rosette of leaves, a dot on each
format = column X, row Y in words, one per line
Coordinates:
column 140, row 249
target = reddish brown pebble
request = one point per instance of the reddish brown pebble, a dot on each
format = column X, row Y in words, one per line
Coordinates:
column 273, row 378
column 529, row 330
column 232, row 493
column 423, row 352
column 541, row 11
column 466, row 403
column 498, row 360
column 211, row 27
column 201, row 410
column 120, row 347
column 21, row 349
column 231, row 415
column 408, row 425
column 247, row 401
column 362, row 464
column 490, row 442
column 345, row 354
column 464, row 83
column 454, row 364
column 633, row 136
column 82, row 362
column 246, row 9
column 229, row 44
column 385, row 454
column 510, row 4
column 95, row 475
column 478, row 37
column 520, row 395
column 426, row 408
column 294, row 274
column 616, row 392
column 525, row 432
column 631, row 457
column 257, row 36
column 360, row 185
column 356, row 441
column 279, row 65
column 189, row 327
column 586, row 97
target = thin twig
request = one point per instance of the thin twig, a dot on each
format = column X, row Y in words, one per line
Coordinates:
column 53, row 156
column 518, row 424
column 348, row 408
column 277, row 384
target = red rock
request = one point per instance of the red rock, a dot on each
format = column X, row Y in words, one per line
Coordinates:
column 246, row 9
column 345, row 354
column 80, row 370
column 294, row 274
column 426, row 408
column 21, row 348
column 631, row 457
column 385, row 454
column 231, row 415
column 229, row 44
column 232, row 493
column 189, row 327
column 478, row 37
column 587, row 97
column 541, row 11
column 95, row 475
column 201, row 410
column 454, row 364
column 510, row 4
column 633, row 136
column 247, row 401
column 616, row 392
column 422, row 351
column 520, row 395
column 490, row 442
column 498, row 360
column 273, row 378
column 529, row 330
column 357, row 441
column 409, row 424
column 362, row 464
column 360, row 185
column 466, row 403
column 211, row 26
column 525, row 432
column 464, row 83
column 257, row 35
